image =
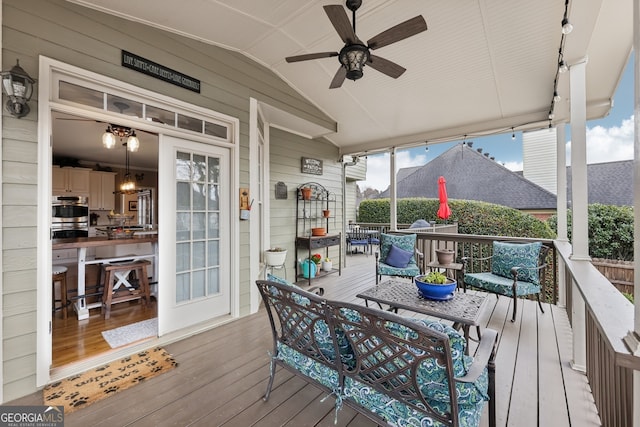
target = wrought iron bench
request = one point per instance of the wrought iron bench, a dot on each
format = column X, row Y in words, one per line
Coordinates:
column 393, row 370
column 517, row 269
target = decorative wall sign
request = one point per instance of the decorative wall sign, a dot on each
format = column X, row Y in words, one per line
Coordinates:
column 158, row 71
column 281, row 191
column 311, row 166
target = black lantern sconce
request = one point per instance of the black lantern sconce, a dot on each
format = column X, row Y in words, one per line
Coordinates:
column 18, row 85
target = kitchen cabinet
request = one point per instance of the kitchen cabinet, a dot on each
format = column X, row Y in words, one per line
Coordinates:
column 101, row 188
column 70, row 181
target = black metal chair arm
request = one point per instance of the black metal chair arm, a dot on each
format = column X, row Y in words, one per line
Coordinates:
column 485, row 352
column 516, row 269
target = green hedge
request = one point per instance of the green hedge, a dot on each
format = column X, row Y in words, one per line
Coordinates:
column 472, row 217
column 610, row 231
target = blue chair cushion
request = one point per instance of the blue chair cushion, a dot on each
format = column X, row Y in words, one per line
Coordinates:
column 500, row 285
column 320, row 329
column 402, row 241
column 398, row 258
column 509, row 255
column 431, row 379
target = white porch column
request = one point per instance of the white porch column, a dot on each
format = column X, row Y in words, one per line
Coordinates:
column 561, row 191
column 561, row 206
column 393, row 215
column 579, row 201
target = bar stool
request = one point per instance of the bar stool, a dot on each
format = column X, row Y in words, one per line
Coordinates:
column 124, row 282
column 59, row 274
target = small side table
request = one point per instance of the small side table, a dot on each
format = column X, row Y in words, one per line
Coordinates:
column 452, row 270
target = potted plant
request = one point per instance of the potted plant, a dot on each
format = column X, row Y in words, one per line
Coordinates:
column 327, row 265
column 317, row 258
column 275, row 256
column 445, row 256
column 306, row 193
column 435, row 285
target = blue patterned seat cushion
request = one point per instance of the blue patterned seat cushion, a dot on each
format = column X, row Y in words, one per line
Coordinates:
column 401, row 415
column 321, row 329
column 433, row 377
column 406, row 242
column 509, row 255
column 309, row 367
column 500, row 285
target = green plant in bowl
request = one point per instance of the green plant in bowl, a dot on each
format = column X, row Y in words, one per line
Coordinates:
column 434, row 277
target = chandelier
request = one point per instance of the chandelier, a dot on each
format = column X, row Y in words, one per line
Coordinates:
column 131, row 145
column 127, row 185
column 116, row 131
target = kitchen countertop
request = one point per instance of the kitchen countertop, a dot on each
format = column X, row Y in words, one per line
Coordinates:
column 90, row 242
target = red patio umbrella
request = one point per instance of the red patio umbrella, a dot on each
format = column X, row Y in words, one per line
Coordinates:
column 444, row 212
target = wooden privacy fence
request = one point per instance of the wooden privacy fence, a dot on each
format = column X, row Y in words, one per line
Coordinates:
column 619, row 272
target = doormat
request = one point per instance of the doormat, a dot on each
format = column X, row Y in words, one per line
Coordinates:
column 84, row 389
column 131, row 333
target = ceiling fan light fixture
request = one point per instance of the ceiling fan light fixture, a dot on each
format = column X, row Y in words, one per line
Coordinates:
column 108, row 139
column 353, row 58
column 133, row 143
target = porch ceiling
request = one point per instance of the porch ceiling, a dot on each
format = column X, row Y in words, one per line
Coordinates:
column 483, row 66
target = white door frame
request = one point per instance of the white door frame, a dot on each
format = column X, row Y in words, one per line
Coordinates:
column 46, row 104
column 258, row 226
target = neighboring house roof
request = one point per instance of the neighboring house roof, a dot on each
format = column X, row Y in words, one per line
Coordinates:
column 608, row 183
column 473, row 176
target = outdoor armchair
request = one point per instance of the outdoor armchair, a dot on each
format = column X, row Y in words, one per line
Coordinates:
column 398, row 256
column 355, row 238
column 517, row 269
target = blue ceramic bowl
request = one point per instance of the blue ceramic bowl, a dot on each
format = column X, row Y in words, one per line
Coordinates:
column 433, row 291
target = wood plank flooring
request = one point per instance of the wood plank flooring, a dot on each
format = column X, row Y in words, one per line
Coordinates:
column 223, row 373
column 74, row 340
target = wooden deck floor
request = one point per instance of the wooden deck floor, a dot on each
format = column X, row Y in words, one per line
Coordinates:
column 223, row 373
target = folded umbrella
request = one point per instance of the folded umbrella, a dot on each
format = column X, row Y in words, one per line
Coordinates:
column 444, row 212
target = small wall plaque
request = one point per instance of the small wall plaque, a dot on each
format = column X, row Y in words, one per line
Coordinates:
column 281, row 190
column 311, row 166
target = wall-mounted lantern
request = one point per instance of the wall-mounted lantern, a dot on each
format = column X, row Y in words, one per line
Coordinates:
column 18, row 85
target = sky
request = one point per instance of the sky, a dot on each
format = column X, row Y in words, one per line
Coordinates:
column 608, row 139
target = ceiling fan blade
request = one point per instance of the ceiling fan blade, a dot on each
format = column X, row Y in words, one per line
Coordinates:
column 385, row 66
column 401, row 31
column 309, row 56
column 338, row 79
column 338, row 17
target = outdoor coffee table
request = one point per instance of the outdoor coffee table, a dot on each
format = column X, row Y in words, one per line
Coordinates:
column 464, row 309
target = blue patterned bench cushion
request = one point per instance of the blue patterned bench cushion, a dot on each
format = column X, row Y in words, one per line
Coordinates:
column 433, row 378
column 399, row 414
column 500, row 285
column 321, row 329
column 309, row 367
column 509, row 255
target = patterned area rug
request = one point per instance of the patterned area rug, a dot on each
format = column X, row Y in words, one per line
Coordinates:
column 131, row 333
column 82, row 390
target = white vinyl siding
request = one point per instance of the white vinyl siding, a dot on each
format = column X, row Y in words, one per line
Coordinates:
column 539, row 158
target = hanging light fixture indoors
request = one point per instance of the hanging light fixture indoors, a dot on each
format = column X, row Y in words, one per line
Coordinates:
column 128, row 185
column 116, row 131
column 131, row 145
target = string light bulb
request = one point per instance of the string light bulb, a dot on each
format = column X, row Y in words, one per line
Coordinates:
column 566, row 26
column 513, row 135
column 556, row 97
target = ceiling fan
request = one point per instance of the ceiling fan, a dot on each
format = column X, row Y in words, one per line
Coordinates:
column 355, row 54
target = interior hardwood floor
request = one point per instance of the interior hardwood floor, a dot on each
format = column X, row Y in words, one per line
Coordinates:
column 74, row 340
